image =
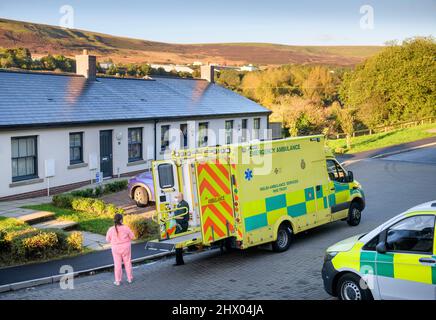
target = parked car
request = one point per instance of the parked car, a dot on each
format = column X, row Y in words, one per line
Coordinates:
column 396, row 260
column 141, row 189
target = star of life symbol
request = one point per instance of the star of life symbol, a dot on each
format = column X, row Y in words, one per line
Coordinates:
column 248, row 174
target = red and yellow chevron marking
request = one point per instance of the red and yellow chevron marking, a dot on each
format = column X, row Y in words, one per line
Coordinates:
column 216, row 200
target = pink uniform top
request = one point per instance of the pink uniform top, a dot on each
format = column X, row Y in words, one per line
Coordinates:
column 124, row 235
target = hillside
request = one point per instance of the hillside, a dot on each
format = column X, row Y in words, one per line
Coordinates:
column 44, row 39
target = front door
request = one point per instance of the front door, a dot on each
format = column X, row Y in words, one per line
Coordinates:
column 339, row 192
column 106, row 153
column 407, row 269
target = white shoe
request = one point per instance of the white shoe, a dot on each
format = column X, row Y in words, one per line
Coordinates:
column 116, row 283
column 129, row 281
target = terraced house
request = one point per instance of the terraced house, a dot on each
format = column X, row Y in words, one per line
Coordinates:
column 60, row 129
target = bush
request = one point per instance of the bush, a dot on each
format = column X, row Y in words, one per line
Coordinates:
column 115, row 186
column 39, row 245
column 86, row 193
column 75, row 241
column 63, row 200
column 141, row 227
column 98, row 207
column 82, row 204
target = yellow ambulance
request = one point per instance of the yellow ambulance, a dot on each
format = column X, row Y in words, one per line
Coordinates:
column 396, row 260
column 248, row 194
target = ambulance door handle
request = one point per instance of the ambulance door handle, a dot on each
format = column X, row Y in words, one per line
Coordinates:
column 332, row 189
column 427, row 261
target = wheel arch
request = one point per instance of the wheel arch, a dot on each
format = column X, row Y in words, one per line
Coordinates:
column 359, row 201
column 279, row 222
column 132, row 193
column 344, row 272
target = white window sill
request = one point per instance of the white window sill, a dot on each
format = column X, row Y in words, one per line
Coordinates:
column 25, row 182
column 77, row 165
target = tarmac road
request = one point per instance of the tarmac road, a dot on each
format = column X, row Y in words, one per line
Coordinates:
column 392, row 185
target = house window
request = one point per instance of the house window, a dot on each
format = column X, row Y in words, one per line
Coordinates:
column 183, row 136
column 244, row 130
column 24, row 158
column 135, row 144
column 76, row 147
column 256, row 128
column 164, row 138
column 202, row 134
column 229, row 131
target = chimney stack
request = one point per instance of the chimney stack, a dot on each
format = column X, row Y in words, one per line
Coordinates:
column 86, row 65
column 208, row 72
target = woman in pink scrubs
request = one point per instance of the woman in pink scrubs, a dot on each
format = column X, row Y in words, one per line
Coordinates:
column 120, row 237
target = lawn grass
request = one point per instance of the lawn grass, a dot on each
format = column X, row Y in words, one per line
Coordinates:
column 87, row 221
column 385, row 139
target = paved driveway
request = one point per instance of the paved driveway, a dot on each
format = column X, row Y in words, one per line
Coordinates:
column 391, row 185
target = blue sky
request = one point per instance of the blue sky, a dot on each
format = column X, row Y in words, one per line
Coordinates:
column 310, row 22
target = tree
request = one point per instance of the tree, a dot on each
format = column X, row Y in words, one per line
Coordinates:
column 345, row 117
column 395, row 85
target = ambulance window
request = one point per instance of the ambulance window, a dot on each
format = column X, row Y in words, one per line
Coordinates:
column 336, row 173
column 413, row 234
column 371, row 244
column 166, row 177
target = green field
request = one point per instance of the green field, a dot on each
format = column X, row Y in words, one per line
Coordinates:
column 385, row 139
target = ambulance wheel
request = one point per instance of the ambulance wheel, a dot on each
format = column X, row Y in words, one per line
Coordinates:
column 284, row 238
column 140, row 196
column 350, row 288
column 354, row 214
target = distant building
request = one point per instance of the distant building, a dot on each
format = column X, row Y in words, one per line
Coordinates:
column 106, row 65
column 249, row 68
column 172, row 67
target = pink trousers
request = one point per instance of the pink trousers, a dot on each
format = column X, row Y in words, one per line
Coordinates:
column 122, row 253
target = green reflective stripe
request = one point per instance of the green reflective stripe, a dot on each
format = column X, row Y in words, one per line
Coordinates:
column 341, row 186
column 433, row 273
column 276, row 202
column 367, row 262
column 309, row 194
column 385, row 265
column 319, row 193
column 332, row 200
column 255, row 222
column 297, row 210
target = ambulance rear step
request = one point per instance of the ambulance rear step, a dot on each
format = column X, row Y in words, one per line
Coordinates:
column 170, row 244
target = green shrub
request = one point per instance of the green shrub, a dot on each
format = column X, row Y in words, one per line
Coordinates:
column 63, row 200
column 111, row 210
column 85, row 193
column 98, row 192
column 98, row 207
column 82, row 204
column 40, row 245
column 75, row 241
column 115, row 186
column 141, row 227
column 4, row 244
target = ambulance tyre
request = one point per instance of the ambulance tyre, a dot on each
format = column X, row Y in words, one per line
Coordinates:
column 349, row 287
column 284, row 238
column 354, row 214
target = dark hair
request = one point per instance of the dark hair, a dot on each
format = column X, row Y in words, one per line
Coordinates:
column 118, row 219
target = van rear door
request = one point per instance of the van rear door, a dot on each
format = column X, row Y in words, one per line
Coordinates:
column 216, row 200
column 166, row 187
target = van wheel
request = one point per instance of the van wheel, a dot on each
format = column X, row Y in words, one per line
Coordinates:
column 350, row 288
column 354, row 214
column 140, row 196
column 284, row 238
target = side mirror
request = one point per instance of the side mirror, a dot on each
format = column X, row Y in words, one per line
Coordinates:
column 381, row 247
column 350, row 176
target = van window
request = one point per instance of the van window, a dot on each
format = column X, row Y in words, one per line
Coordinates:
column 413, row 234
column 335, row 171
column 166, row 177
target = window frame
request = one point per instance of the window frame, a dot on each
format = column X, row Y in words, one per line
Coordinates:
column 184, row 137
column 384, row 236
column 256, row 131
column 228, row 131
column 72, row 162
column 129, row 143
column 202, row 135
column 244, row 129
column 35, row 160
column 165, row 142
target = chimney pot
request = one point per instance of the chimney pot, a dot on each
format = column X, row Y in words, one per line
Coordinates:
column 86, row 65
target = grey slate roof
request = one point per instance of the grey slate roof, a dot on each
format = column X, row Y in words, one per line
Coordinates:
column 29, row 99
